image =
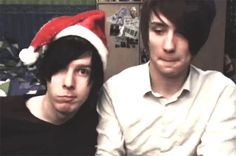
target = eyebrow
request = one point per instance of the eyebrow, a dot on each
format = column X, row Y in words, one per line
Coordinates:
column 84, row 66
column 158, row 24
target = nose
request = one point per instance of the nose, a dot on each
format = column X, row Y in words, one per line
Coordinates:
column 68, row 80
column 169, row 43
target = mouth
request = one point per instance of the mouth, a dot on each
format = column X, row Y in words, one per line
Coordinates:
column 66, row 98
column 169, row 60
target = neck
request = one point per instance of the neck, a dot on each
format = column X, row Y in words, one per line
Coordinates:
column 42, row 108
column 166, row 85
column 51, row 113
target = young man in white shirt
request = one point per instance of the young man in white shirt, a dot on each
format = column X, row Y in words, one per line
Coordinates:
column 168, row 106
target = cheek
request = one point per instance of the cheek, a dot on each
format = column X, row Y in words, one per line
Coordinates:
column 82, row 93
column 56, row 79
column 186, row 55
column 55, row 84
column 183, row 45
column 154, row 42
column 83, row 87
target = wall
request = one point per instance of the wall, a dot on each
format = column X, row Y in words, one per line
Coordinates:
column 119, row 57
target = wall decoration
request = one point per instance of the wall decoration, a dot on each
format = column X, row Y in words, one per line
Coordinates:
column 124, row 27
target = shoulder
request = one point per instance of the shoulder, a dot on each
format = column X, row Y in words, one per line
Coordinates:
column 132, row 80
column 131, row 74
column 211, row 76
column 212, row 83
column 13, row 104
column 12, row 100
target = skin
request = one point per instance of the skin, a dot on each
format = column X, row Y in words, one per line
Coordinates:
column 170, row 57
column 66, row 92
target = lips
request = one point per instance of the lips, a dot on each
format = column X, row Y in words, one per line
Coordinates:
column 169, row 60
column 66, row 98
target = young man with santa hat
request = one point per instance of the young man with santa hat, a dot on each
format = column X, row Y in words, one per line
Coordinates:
column 62, row 121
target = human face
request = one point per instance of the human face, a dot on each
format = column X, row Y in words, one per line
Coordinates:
column 169, row 50
column 70, row 87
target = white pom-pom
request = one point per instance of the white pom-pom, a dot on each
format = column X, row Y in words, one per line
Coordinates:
column 28, row 56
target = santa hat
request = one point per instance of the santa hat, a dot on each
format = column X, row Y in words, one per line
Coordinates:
column 88, row 25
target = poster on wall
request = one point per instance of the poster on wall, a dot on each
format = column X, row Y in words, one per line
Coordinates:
column 124, row 27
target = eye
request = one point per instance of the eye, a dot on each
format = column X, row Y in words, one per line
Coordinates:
column 159, row 29
column 83, row 71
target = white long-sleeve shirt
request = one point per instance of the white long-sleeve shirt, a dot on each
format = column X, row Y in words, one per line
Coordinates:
column 200, row 119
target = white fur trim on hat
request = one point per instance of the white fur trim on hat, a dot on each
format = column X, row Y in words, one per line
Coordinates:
column 78, row 30
column 28, row 56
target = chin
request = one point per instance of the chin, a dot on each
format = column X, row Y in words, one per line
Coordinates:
column 66, row 108
column 170, row 73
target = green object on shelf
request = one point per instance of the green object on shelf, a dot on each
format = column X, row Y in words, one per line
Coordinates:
column 5, row 86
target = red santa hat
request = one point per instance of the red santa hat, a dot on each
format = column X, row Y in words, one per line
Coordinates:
column 89, row 25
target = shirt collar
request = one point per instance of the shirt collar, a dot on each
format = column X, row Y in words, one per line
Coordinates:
column 146, row 82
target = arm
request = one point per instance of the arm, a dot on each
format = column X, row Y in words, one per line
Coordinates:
column 219, row 138
column 110, row 137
